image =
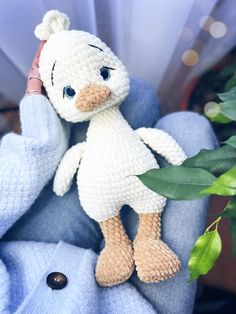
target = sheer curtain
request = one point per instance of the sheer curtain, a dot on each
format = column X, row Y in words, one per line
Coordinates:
column 166, row 42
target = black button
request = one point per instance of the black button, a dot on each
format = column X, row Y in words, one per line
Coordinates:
column 56, row 280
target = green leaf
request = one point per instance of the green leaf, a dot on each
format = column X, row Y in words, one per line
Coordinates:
column 233, row 234
column 212, row 112
column 230, row 83
column 224, row 185
column 211, row 109
column 231, row 141
column 228, row 96
column 228, row 109
column 220, row 118
column 177, row 182
column 219, row 189
column 215, row 161
column 230, row 209
column 230, row 212
column 204, row 254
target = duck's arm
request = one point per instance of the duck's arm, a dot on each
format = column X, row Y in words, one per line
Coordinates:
column 67, row 169
column 163, row 144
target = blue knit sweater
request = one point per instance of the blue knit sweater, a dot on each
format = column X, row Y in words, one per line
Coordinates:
column 42, row 233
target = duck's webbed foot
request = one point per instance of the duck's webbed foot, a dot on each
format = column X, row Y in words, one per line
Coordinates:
column 115, row 263
column 153, row 258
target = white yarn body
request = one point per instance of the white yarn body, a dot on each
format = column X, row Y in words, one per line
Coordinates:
column 111, row 158
column 106, row 179
column 113, row 154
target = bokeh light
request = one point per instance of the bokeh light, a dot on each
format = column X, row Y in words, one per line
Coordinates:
column 218, row 29
column 205, row 22
column 190, row 57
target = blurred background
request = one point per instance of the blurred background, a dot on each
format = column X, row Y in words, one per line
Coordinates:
column 180, row 47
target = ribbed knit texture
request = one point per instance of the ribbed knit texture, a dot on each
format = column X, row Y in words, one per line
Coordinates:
column 27, row 162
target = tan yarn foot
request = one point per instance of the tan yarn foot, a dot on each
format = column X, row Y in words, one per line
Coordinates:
column 115, row 263
column 154, row 260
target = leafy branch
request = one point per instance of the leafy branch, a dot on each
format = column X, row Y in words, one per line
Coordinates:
column 210, row 172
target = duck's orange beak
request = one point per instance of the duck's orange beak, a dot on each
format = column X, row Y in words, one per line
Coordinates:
column 92, row 96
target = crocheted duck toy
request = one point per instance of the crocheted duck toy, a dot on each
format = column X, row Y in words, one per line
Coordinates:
column 84, row 80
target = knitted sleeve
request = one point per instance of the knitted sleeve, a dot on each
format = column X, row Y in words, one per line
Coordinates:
column 163, row 144
column 28, row 161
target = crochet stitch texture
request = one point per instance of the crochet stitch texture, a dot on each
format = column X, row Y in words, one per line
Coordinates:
column 86, row 81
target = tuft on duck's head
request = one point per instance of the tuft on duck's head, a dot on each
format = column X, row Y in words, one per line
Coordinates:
column 81, row 75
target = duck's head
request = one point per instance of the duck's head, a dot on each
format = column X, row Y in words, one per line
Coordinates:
column 81, row 75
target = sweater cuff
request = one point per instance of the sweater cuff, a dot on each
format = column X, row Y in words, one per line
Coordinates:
column 37, row 116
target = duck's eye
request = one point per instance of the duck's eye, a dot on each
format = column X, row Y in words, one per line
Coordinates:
column 105, row 73
column 69, row 92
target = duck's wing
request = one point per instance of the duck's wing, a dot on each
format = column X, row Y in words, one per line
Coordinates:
column 163, row 144
column 67, row 169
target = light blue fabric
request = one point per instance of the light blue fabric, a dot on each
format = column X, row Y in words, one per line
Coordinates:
column 44, row 233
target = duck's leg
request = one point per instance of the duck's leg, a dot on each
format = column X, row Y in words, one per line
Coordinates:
column 115, row 263
column 153, row 258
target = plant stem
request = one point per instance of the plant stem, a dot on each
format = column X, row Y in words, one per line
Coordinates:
column 215, row 222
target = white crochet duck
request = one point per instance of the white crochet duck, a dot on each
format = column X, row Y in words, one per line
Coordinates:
column 84, row 80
